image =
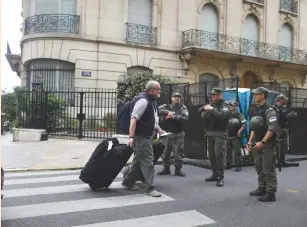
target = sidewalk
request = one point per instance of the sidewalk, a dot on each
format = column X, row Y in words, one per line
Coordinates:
column 51, row 154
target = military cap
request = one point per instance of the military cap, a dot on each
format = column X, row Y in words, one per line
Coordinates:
column 176, row 93
column 216, row 91
column 234, row 103
column 281, row 97
column 261, row 90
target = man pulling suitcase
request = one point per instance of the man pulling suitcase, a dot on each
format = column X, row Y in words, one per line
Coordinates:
column 143, row 124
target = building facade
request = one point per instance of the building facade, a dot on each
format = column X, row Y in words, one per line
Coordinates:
column 70, row 44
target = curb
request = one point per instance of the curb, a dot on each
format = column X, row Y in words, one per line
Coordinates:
column 54, row 169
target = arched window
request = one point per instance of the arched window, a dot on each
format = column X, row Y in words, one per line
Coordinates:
column 286, row 42
column 138, row 69
column 209, row 25
column 38, row 7
column 51, row 75
column 208, row 77
column 250, row 35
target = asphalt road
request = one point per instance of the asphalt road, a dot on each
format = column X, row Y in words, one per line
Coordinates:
column 60, row 199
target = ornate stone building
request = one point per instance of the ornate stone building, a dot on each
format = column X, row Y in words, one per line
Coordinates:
column 90, row 43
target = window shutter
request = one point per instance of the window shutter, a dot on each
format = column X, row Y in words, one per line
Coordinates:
column 46, row 7
column 69, row 7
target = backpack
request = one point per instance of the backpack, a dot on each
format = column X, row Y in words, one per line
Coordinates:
column 124, row 116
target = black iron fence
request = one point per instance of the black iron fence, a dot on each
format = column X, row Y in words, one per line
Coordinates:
column 64, row 23
column 69, row 114
column 298, row 126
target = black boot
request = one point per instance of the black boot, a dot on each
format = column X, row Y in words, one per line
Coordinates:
column 165, row 171
column 238, row 169
column 228, row 166
column 258, row 192
column 212, row 178
column 178, row 172
column 220, row 182
column 268, row 197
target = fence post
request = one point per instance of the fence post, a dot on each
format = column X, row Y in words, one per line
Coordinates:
column 81, row 115
column 46, row 111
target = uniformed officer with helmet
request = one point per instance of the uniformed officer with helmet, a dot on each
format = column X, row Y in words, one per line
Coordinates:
column 236, row 126
column 173, row 116
column 262, row 142
column 217, row 117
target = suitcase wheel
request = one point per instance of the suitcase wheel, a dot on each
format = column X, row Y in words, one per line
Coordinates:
column 93, row 188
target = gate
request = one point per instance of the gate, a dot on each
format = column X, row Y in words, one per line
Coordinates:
column 69, row 114
column 298, row 126
column 196, row 96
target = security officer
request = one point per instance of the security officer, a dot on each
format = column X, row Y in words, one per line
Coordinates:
column 284, row 114
column 174, row 117
column 262, row 142
column 217, row 116
column 236, row 127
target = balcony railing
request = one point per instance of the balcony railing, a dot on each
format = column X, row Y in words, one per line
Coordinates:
column 288, row 6
column 236, row 45
column 141, row 34
column 63, row 23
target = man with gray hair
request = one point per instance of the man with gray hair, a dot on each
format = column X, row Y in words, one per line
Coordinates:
column 143, row 124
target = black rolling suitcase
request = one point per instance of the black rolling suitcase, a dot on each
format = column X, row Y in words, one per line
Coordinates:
column 104, row 165
column 158, row 148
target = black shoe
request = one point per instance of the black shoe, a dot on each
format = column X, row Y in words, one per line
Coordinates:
column 258, row 192
column 288, row 164
column 212, row 178
column 228, row 166
column 178, row 172
column 238, row 169
column 220, row 183
column 268, row 197
column 165, row 171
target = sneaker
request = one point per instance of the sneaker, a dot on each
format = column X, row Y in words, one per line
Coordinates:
column 154, row 193
column 130, row 187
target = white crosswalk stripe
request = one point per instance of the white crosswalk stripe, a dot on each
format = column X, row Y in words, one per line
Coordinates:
column 182, row 219
column 34, row 203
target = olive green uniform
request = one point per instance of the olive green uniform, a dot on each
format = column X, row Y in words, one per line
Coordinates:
column 175, row 142
column 264, row 120
column 233, row 142
column 217, row 121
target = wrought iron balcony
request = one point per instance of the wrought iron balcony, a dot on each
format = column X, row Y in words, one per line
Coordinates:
column 288, row 6
column 235, row 45
column 64, row 23
column 141, row 34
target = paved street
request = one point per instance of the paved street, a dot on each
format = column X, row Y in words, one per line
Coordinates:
column 60, row 199
column 51, row 154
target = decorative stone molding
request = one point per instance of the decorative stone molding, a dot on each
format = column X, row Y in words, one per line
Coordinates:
column 253, row 9
column 216, row 3
column 156, row 2
column 271, row 72
column 185, row 57
column 303, row 77
column 233, row 65
column 288, row 19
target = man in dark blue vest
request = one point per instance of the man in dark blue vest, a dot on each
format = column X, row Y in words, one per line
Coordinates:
column 143, row 124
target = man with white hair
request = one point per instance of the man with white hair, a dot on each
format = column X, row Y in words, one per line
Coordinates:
column 143, row 124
